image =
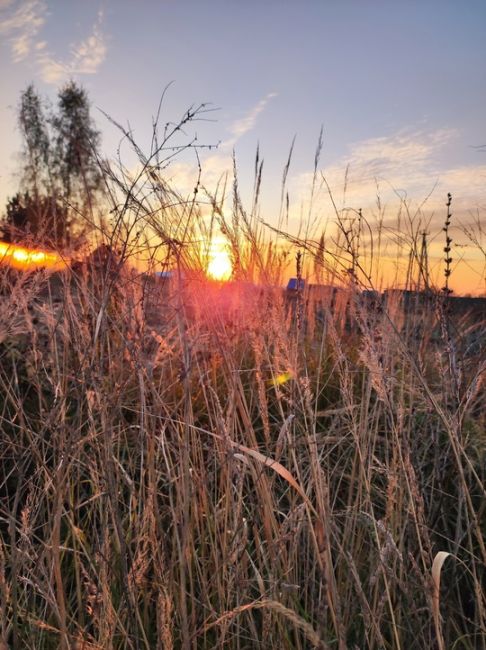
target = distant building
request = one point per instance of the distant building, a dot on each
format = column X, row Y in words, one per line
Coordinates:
column 295, row 284
column 164, row 275
column 170, row 278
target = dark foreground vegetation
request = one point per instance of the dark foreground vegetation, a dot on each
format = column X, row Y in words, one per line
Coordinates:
column 199, row 467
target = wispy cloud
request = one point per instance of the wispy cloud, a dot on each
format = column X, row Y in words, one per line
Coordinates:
column 85, row 58
column 405, row 166
column 403, row 151
column 91, row 52
column 23, row 25
column 242, row 126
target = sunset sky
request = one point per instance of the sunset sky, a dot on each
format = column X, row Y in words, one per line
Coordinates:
column 398, row 87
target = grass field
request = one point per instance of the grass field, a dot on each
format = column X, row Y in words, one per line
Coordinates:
column 189, row 464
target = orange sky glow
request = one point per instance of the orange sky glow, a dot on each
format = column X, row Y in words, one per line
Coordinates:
column 468, row 277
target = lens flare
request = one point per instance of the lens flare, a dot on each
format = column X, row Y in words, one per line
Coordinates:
column 280, row 379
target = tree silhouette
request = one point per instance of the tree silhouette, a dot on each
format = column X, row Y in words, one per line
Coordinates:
column 76, row 145
column 60, row 176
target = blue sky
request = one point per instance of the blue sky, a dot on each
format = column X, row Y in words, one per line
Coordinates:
column 399, row 87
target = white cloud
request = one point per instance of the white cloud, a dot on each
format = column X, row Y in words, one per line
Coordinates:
column 86, row 57
column 404, row 166
column 400, row 160
column 51, row 71
column 22, row 27
column 90, row 53
column 247, row 123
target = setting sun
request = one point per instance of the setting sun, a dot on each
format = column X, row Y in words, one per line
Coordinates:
column 219, row 261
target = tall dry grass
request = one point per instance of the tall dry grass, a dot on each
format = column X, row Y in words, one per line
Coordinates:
column 186, row 465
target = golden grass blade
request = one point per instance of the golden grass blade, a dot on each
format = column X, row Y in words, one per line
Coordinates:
column 277, row 467
column 274, row 605
column 439, row 560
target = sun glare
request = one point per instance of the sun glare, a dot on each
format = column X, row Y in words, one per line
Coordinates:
column 219, row 261
column 27, row 259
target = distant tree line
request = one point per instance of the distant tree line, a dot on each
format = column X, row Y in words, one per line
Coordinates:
column 60, row 178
